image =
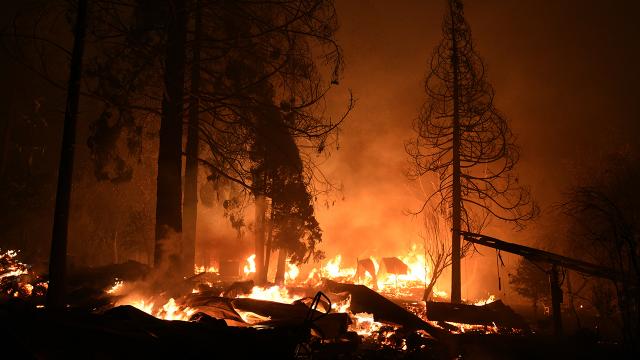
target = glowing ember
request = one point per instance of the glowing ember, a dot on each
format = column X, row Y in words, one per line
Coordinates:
column 251, row 317
column 482, row 302
column 364, row 324
column 416, row 276
column 17, row 279
column 342, row 306
column 169, row 311
column 10, row 266
column 116, row 287
column 251, row 265
column 202, row 269
column 406, row 280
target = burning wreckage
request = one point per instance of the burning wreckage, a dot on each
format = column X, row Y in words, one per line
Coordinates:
column 124, row 311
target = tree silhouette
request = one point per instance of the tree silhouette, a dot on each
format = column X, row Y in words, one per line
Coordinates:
column 190, row 202
column 463, row 139
column 58, row 260
column 169, row 180
column 267, row 76
column 604, row 228
column 532, row 282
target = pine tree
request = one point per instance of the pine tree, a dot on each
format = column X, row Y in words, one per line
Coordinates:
column 466, row 141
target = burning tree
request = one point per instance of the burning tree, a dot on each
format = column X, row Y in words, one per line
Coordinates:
column 461, row 137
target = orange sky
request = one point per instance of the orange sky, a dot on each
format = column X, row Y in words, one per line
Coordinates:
column 564, row 73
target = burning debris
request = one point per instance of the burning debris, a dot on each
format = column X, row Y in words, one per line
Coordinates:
column 338, row 315
column 17, row 279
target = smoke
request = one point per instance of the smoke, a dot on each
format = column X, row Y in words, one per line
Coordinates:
column 565, row 75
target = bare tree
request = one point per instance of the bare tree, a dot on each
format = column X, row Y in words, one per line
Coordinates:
column 461, row 137
column 437, row 250
column 604, row 213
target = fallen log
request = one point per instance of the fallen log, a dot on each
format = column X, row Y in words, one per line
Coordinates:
column 493, row 313
column 279, row 314
column 247, row 311
column 366, row 300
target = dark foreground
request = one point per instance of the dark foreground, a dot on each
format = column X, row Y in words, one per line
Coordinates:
column 127, row 333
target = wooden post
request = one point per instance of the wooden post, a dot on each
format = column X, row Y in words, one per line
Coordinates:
column 556, row 299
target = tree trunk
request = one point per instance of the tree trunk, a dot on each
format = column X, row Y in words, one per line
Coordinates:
column 115, row 248
column 456, row 216
column 282, row 264
column 58, row 257
column 169, row 187
column 191, row 168
column 6, row 138
column 260, row 277
column 428, row 291
column 268, row 250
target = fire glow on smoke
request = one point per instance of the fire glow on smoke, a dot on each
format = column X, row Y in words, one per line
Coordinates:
column 388, row 283
column 395, row 285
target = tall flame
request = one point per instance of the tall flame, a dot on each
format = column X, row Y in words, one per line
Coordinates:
column 250, row 267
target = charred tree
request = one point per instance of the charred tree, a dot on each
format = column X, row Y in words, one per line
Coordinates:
column 169, row 187
column 58, row 258
column 463, row 139
column 190, row 205
column 259, row 229
column 281, row 268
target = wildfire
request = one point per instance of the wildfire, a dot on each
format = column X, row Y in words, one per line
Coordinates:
column 117, row 286
column 364, row 324
column 464, row 328
column 273, row 293
column 415, row 276
column 342, row 306
column 250, row 267
column 17, row 279
column 10, row 266
column 440, row 293
column 486, row 301
column 169, row 311
column 292, row 272
column 202, row 269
